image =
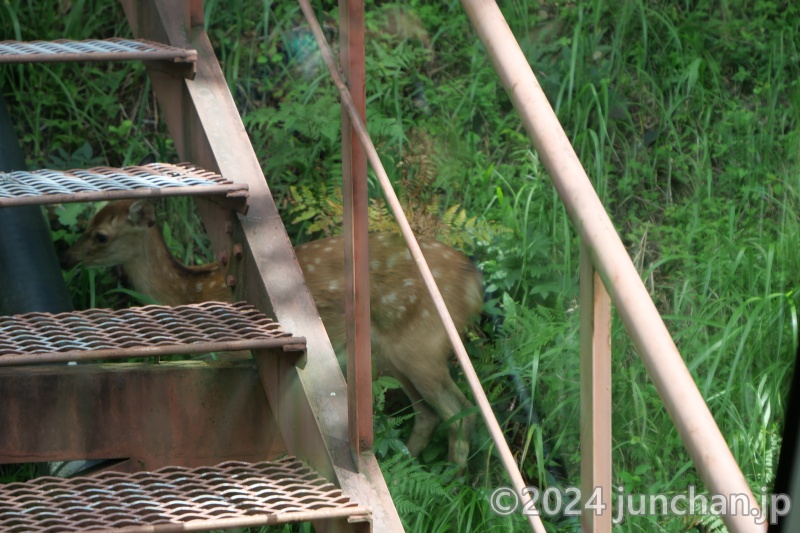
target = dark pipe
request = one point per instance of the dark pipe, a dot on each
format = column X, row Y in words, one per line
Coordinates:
column 32, row 279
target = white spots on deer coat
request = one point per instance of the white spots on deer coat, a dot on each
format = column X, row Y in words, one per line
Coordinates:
column 375, row 264
column 310, row 268
column 408, row 282
column 394, row 259
column 198, row 287
column 334, row 285
column 388, row 299
column 328, row 249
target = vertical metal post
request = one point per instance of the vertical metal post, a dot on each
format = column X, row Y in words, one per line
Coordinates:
column 354, row 191
column 595, row 308
column 196, row 14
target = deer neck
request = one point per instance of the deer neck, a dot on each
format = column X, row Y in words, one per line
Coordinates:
column 155, row 272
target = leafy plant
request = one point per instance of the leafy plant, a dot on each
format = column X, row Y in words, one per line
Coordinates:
column 684, row 116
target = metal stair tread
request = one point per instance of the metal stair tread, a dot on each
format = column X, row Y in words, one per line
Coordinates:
column 48, row 186
column 113, row 49
column 147, row 331
column 228, row 495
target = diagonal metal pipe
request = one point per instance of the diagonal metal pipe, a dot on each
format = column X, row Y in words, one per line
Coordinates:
column 677, row 389
column 394, row 203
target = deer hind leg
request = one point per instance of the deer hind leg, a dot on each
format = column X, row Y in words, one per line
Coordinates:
column 425, row 375
column 425, row 419
column 450, row 402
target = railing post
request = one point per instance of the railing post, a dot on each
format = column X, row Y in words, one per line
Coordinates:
column 354, row 192
column 595, row 306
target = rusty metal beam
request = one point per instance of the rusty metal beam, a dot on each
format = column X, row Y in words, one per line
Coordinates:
column 356, row 230
column 114, row 49
column 595, row 398
column 205, row 124
column 48, row 186
column 153, row 330
column 234, row 494
column 183, row 413
column 177, row 22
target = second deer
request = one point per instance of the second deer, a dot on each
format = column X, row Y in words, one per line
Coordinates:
column 408, row 339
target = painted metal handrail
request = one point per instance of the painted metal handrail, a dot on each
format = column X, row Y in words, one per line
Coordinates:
column 672, row 379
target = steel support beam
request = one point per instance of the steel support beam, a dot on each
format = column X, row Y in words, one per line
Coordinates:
column 310, row 399
column 185, row 413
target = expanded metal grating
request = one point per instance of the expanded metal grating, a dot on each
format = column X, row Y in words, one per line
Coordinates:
column 114, row 49
column 48, row 186
column 232, row 494
column 139, row 332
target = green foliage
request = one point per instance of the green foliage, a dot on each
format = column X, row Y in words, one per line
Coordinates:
column 308, row 134
column 683, row 114
column 540, row 349
column 387, row 428
column 436, row 499
column 320, row 210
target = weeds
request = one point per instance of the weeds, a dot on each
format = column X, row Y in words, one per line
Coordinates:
column 685, row 117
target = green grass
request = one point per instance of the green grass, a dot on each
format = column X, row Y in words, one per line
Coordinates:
column 684, row 115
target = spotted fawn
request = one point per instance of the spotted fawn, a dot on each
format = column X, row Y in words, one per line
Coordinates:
column 408, row 339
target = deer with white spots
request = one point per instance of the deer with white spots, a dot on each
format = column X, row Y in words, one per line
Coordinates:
column 408, row 339
column 124, row 233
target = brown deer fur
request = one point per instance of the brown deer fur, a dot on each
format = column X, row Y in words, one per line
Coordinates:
column 408, row 340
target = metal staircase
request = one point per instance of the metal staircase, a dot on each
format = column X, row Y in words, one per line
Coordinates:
column 64, row 50
column 47, row 186
column 36, row 338
column 230, row 495
column 195, row 443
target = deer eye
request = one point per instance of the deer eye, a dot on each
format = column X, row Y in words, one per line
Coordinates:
column 100, row 238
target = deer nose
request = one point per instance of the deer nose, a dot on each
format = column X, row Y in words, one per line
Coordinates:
column 67, row 260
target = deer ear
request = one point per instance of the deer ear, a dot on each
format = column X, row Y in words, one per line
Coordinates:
column 142, row 213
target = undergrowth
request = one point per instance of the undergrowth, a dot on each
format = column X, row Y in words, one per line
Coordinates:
column 684, row 115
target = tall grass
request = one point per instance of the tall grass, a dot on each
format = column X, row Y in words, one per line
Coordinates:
column 685, row 117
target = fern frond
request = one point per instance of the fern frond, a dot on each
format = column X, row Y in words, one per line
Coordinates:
column 410, row 485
